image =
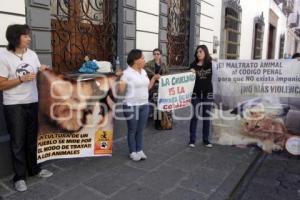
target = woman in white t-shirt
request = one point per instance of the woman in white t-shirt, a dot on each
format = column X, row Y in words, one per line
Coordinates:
column 18, row 68
column 136, row 84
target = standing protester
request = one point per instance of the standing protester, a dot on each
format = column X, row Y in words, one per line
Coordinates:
column 136, row 84
column 156, row 66
column 18, row 69
column 163, row 120
column 202, row 95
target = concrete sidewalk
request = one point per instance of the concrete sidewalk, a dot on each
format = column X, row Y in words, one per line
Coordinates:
column 277, row 178
column 172, row 171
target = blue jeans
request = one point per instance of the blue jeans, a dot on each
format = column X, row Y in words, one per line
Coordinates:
column 206, row 105
column 137, row 117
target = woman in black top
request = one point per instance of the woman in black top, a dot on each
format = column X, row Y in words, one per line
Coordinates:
column 203, row 94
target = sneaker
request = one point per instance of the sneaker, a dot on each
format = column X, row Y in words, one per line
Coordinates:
column 192, row 145
column 20, row 186
column 44, row 173
column 208, row 144
column 135, row 157
column 142, row 155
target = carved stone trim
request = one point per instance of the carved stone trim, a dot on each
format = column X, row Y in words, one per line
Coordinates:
column 260, row 20
column 234, row 4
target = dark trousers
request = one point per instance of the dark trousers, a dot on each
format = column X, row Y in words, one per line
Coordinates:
column 22, row 125
column 206, row 105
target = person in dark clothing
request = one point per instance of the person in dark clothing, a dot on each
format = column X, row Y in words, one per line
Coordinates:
column 18, row 70
column 202, row 95
column 153, row 67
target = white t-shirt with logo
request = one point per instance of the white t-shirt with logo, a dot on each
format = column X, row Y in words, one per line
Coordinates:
column 137, row 92
column 11, row 67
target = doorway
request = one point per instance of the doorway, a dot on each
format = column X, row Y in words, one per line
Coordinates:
column 82, row 28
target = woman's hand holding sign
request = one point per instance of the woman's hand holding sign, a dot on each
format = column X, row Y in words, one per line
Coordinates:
column 44, row 67
column 27, row 77
column 155, row 78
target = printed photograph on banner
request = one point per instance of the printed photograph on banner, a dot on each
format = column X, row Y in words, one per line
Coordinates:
column 257, row 102
column 175, row 91
column 75, row 116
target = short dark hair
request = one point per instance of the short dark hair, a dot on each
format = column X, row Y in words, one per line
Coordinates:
column 157, row 49
column 296, row 55
column 13, row 35
column 134, row 55
column 207, row 59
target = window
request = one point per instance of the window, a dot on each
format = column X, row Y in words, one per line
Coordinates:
column 178, row 32
column 231, row 21
column 232, row 33
column 281, row 47
column 258, row 37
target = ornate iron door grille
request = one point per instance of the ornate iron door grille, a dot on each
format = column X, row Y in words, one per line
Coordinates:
column 80, row 28
column 178, row 32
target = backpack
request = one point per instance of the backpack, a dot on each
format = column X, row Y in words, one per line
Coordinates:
column 166, row 121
